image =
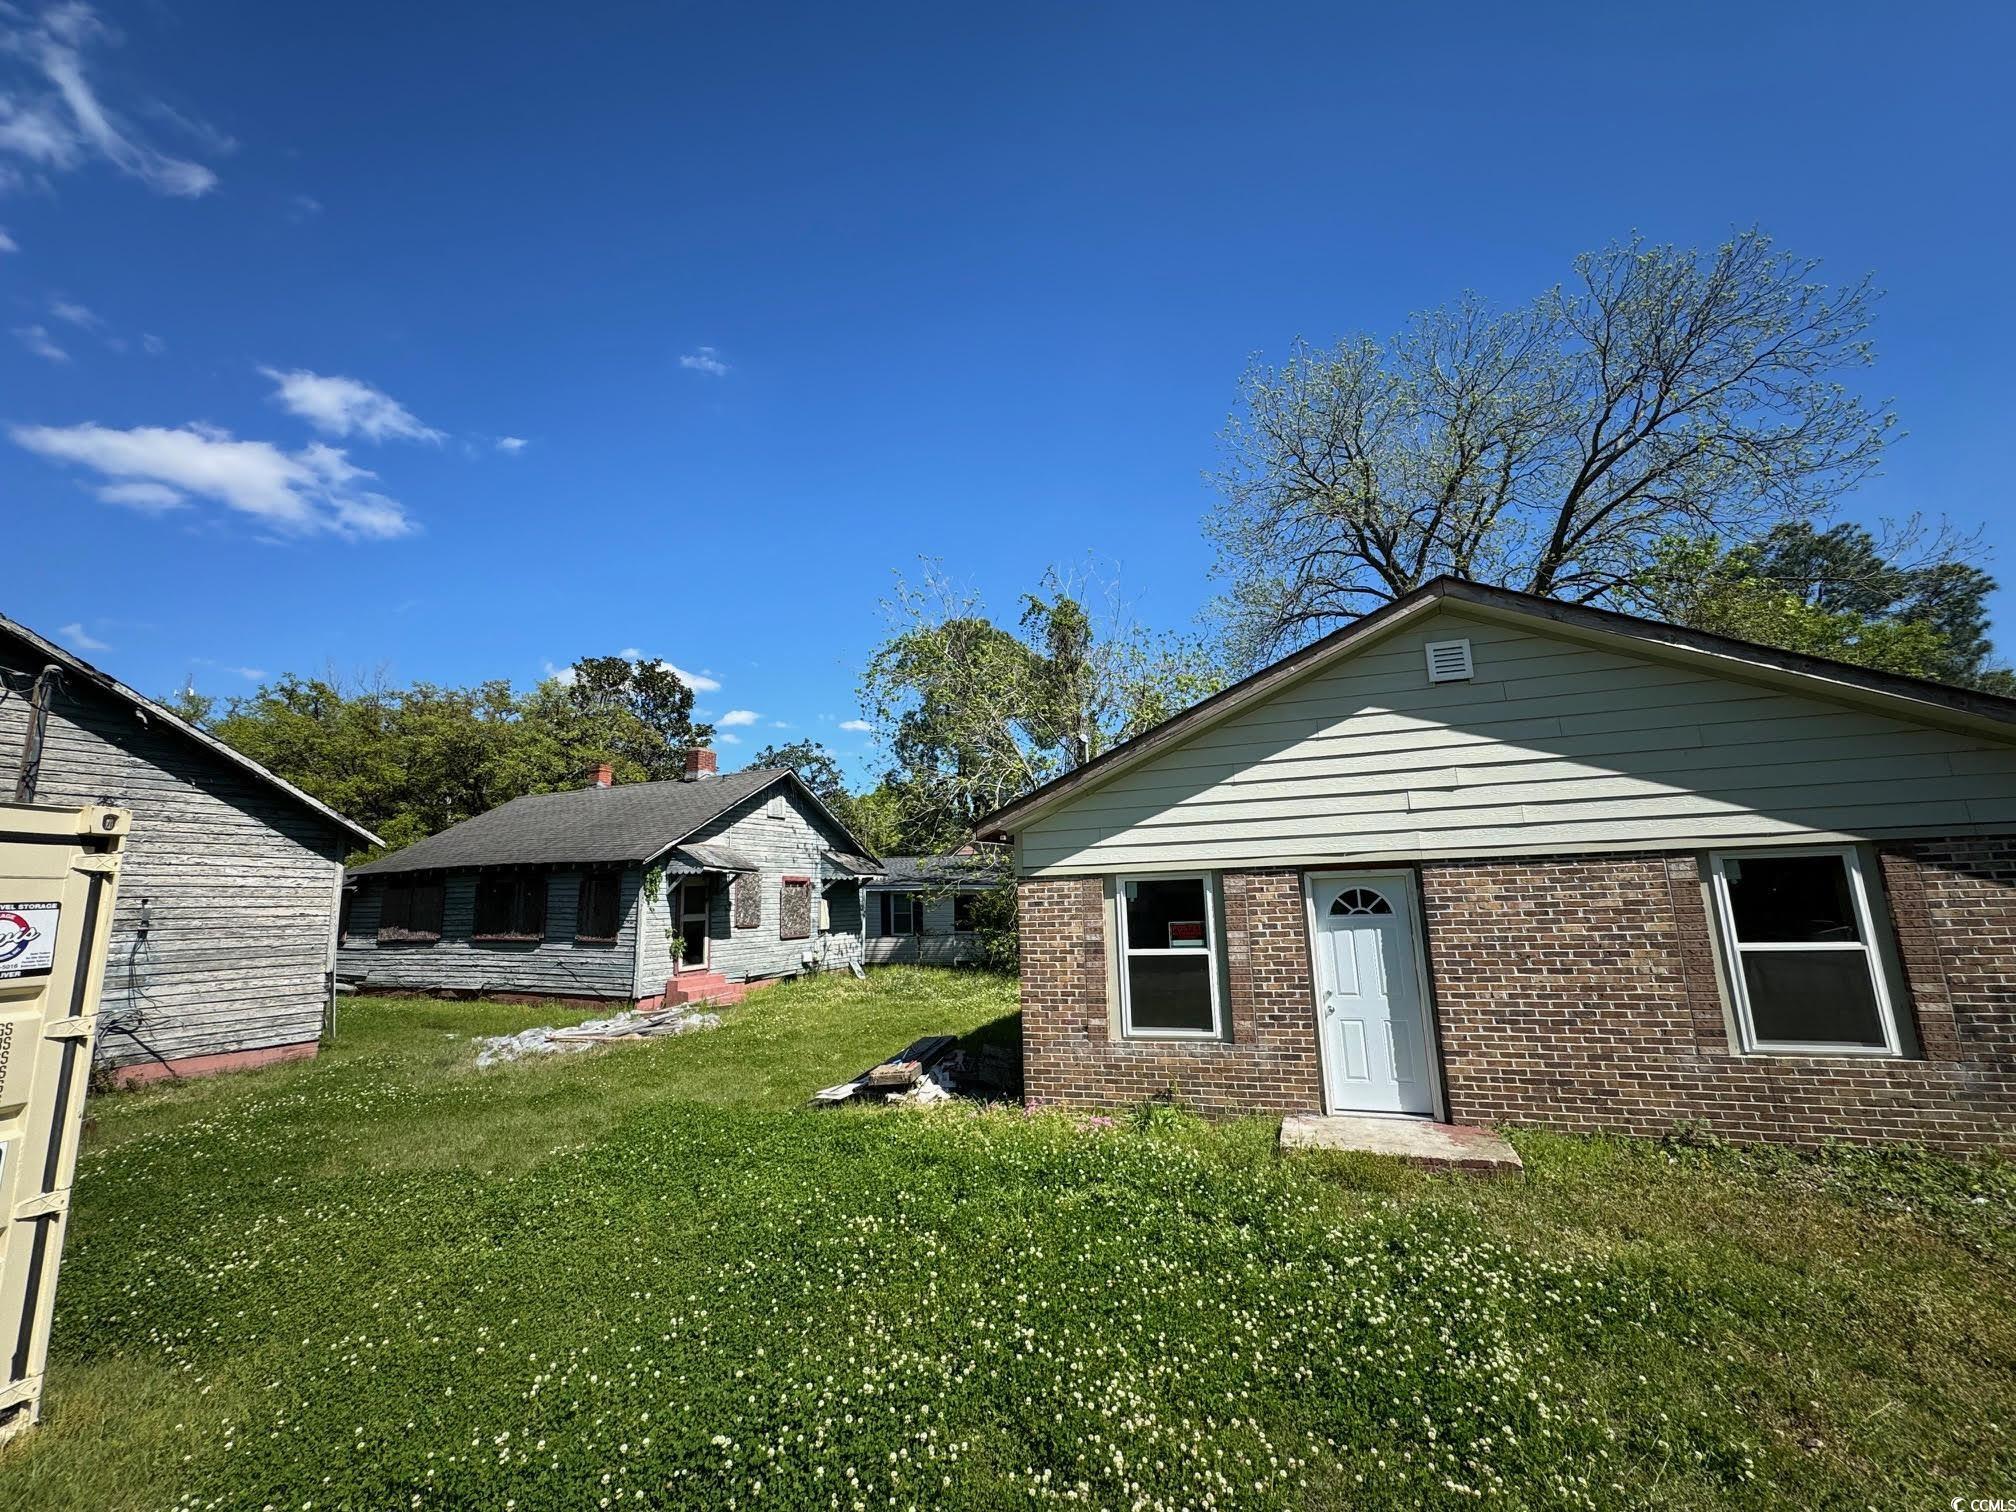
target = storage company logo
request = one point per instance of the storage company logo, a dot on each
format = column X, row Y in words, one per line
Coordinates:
column 16, row 935
column 27, row 938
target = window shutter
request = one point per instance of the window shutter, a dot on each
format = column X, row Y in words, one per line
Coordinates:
column 795, row 922
column 410, row 909
column 746, row 894
column 427, row 906
column 395, row 911
column 532, row 905
column 493, row 906
column 887, row 900
column 598, row 914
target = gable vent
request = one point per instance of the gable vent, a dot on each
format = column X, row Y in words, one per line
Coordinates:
column 1448, row 661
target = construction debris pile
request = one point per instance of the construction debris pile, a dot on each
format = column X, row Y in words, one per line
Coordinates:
column 625, row 1027
column 933, row 1070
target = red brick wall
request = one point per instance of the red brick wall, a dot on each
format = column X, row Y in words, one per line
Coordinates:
column 1071, row 1056
column 1580, row 993
column 1577, row 992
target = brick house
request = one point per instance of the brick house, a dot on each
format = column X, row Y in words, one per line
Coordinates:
column 1486, row 858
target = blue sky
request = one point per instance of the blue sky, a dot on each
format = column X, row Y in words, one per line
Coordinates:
column 679, row 328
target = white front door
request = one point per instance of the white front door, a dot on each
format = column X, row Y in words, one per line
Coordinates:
column 1369, row 1006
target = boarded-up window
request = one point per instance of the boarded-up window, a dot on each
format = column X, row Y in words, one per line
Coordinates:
column 511, row 906
column 598, row 918
column 411, row 910
column 747, row 892
column 795, row 914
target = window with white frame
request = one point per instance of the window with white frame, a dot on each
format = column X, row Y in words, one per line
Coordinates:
column 1168, row 957
column 1800, row 936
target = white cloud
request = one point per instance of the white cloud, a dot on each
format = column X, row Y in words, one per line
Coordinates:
column 699, row 682
column 346, row 406
column 149, row 498
column 310, row 492
column 705, row 360
column 81, row 638
column 858, row 726
column 303, row 207
column 51, row 116
column 75, row 314
column 727, row 739
column 511, row 445
column 36, row 338
column 780, row 724
column 250, row 674
column 153, row 345
column 7, row 243
column 562, row 675
column 739, row 717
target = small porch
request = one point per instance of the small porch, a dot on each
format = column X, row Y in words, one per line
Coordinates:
column 1440, row 1146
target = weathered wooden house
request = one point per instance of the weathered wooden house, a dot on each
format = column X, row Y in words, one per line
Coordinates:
column 646, row 893
column 925, row 910
column 223, row 946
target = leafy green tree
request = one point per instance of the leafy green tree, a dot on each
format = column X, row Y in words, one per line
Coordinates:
column 972, row 714
column 1661, row 392
column 190, row 705
column 409, row 762
column 639, row 711
column 1832, row 593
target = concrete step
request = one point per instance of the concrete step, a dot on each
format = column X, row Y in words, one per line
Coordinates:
column 1419, row 1141
column 692, row 989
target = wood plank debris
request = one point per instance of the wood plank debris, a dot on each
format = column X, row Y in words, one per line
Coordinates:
column 900, row 1072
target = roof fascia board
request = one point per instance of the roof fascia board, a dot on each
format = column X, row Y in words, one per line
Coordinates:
column 152, row 710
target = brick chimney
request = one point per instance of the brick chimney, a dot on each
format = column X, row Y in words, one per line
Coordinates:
column 603, row 775
column 700, row 763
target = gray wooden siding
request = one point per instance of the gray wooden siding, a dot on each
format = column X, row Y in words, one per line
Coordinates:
column 1555, row 745
column 845, row 943
column 781, row 847
column 558, row 965
column 937, row 946
column 654, row 947
column 226, row 920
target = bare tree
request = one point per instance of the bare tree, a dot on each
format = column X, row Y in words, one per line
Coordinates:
column 1661, row 392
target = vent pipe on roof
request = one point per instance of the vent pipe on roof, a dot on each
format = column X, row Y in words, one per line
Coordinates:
column 700, row 763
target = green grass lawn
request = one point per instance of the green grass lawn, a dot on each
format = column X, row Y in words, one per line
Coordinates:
column 650, row 1276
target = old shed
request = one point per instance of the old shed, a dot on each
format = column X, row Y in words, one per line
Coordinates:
column 223, row 948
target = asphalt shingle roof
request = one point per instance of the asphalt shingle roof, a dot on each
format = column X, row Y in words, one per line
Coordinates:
column 632, row 821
